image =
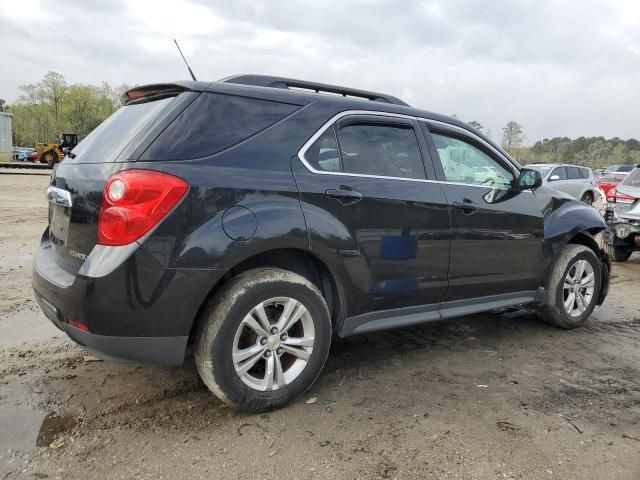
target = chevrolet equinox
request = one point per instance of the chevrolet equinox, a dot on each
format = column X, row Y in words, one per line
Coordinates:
column 251, row 219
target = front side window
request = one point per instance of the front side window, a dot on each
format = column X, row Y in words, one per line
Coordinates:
column 558, row 174
column 463, row 162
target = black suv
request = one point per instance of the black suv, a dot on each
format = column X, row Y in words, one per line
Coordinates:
column 255, row 217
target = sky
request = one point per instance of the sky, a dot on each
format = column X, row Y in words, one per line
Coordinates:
column 559, row 68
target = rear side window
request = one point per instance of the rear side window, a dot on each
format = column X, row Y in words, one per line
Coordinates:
column 385, row 150
column 573, row 173
column 368, row 149
column 585, row 172
column 213, row 123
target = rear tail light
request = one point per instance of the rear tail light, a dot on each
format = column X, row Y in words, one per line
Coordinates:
column 134, row 201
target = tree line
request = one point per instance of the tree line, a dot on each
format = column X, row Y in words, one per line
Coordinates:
column 52, row 106
column 594, row 152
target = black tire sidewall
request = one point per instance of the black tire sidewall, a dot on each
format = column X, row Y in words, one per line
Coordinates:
column 559, row 292
column 237, row 392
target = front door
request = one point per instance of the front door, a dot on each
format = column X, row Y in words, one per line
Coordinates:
column 371, row 211
column 497, row 232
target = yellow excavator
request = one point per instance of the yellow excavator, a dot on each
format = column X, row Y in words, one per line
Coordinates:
column 54, row 152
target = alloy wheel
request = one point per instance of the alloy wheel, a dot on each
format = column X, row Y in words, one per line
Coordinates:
column 578, row 289
column 273, row 343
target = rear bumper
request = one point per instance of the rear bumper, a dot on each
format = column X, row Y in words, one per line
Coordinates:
column 161, row 350
column 138, row 312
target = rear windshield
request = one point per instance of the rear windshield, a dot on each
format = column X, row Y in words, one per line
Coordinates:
column 106, row 142
column 633, row 179
column 215, row 122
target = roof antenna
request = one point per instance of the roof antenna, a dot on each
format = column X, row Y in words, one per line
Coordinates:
column 185, row 60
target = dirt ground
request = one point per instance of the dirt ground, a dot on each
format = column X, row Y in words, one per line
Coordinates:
column 483, row 397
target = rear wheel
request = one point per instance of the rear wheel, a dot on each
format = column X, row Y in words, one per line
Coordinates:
column 263, row 340
column 574, row 287
column 588, row 198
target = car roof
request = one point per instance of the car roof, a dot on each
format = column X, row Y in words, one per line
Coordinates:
column 302, row 92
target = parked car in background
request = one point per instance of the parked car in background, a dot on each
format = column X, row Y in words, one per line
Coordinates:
column 623, row 218
column 577, row 181
column 32, row 157
column 623, row 169
column 252, row 219
column 609, row 181
column 20, row 154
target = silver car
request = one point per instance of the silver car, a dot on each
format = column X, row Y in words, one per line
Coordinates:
column 577, row 181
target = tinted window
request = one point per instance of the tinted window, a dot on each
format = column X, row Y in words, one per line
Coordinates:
column 215, row 122
column 387, row 150
column 560, row 174
column 463, row 162
column 573, row 173
column 633, row 179
column 624, row 168
column 111, row 137
column 323, row 154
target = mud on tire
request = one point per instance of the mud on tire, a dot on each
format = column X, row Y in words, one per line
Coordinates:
column 555, row 312
column 228, row 321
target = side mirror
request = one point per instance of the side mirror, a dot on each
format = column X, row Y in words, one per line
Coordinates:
column 554, row 177
column 529, row 179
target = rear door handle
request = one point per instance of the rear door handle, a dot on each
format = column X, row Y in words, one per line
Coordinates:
column 468, row 207
column 345, row 195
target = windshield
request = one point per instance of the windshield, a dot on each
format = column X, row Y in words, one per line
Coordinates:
column 625, row 168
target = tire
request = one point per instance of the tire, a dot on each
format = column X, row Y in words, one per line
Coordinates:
column 619, row 254
column 223, row 328
column 554, row 312
column 49, row 157
column 587, row 198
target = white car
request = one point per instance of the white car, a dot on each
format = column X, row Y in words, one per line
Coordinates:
column 575, row 180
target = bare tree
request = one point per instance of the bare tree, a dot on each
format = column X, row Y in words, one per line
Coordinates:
column 512, row 136
column 476, row 124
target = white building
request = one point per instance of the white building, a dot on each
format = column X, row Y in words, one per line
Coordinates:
column 5, row 137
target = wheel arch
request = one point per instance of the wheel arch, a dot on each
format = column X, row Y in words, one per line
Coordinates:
column 302, row 262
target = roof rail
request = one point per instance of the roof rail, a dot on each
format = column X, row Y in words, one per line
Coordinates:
column 281, row 82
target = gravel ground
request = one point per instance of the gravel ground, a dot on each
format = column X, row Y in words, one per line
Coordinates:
column 486, row 396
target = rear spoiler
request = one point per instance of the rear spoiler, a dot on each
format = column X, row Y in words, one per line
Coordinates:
column 146, row 93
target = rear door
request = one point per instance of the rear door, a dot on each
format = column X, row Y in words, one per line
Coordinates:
column 371, row 209
column 575, row 184
column 496, row 232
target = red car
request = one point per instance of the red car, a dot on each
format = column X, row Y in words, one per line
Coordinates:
column 32, row 157
column 609, row 181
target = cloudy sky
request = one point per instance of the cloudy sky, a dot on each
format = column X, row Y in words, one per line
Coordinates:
column 569, row 67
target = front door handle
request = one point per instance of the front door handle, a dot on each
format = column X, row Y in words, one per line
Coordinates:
column 468, row 207
column 345, row 195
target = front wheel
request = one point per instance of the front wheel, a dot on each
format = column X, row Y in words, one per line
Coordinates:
column 574, row 287
column 263, row 340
